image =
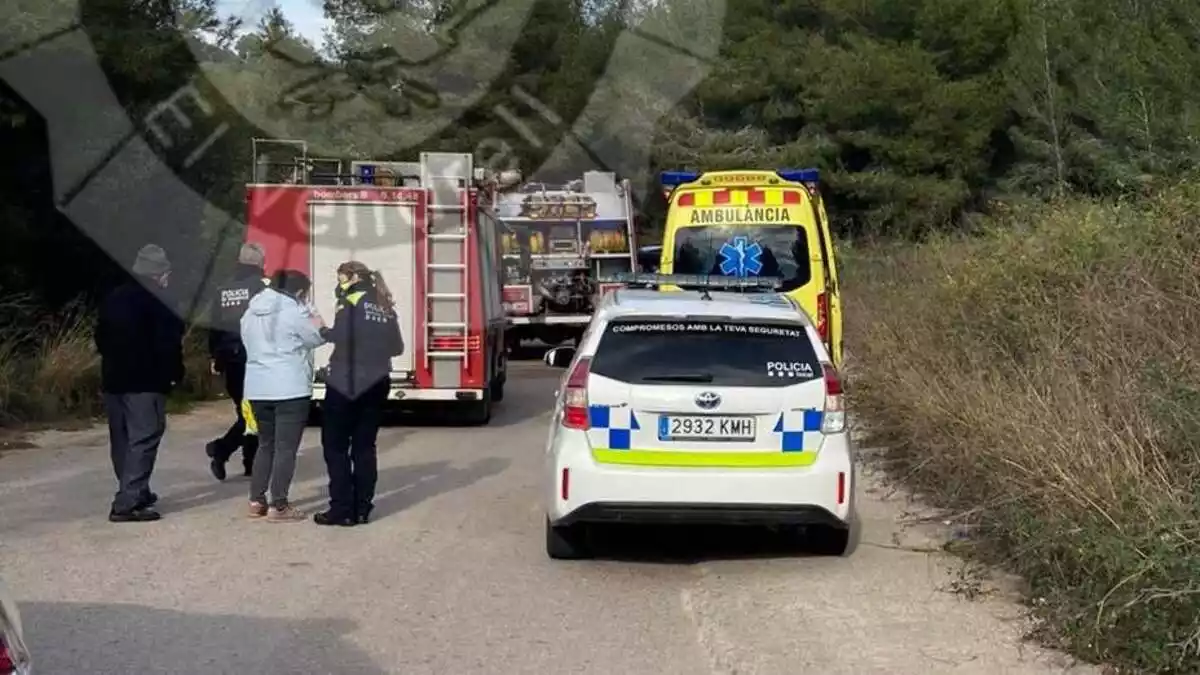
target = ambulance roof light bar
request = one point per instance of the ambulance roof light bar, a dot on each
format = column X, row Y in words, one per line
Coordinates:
column 695, row 281
column 673, row 179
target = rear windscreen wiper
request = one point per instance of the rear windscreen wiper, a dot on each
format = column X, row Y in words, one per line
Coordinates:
column 679, row 377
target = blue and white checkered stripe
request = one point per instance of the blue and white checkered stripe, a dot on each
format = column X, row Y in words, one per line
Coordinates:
column 612, row 427
column 799, row 430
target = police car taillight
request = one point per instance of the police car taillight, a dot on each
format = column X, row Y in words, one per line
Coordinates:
column 575, row 399
column 834, row 419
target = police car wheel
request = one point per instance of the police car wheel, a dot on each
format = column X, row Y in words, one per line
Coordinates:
column 566, row 542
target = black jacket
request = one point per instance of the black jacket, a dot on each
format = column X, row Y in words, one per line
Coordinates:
column 140, row 340
column 365, row 337
column 225, row 334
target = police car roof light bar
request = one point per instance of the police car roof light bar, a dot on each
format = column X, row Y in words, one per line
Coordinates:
column 703, row 281
column 800, row 175
column 676, row 178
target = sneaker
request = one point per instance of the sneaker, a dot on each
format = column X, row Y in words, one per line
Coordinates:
column 257, row 510
column 141, row 515
column 329, row 518
column 285, row 514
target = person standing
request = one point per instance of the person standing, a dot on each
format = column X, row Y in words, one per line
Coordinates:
column 365, row 337
column 140, row 340
column 228, row 355
column 279, row 332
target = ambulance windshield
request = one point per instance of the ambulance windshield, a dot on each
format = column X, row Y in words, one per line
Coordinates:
column 745, row 251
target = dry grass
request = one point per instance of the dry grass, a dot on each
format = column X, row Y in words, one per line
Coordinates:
column 50, row 371
column 1043, row 378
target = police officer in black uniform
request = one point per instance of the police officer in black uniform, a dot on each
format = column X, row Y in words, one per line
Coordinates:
column 229, row 355
column 366, row 336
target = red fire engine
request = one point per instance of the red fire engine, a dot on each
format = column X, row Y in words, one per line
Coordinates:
column 428, row 227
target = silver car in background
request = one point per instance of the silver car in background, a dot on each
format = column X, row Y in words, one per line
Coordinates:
column 14, row 656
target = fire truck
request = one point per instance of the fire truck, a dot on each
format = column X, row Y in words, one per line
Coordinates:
column 428, row 227
column 557, row 242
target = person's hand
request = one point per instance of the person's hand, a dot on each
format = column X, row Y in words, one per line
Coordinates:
column 317, row 321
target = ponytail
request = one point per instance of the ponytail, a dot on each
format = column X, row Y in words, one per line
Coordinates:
column 381, row 290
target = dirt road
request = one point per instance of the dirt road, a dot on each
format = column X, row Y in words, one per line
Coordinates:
column 452, row 578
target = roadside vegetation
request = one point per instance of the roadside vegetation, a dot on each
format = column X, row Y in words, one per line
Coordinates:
column 1040, row 377
column 50, row 371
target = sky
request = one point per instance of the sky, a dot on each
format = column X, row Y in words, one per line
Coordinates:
column 307, row 15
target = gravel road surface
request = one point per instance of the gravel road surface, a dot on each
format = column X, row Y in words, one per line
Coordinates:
column 451, row 578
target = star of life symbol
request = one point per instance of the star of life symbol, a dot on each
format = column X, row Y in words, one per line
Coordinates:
column 741, row 257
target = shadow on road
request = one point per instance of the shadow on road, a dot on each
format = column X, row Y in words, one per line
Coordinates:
column 695, row 544
column 118, row 639
column 402, row 487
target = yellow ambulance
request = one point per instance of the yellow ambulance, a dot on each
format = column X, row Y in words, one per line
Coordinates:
column 757, row 224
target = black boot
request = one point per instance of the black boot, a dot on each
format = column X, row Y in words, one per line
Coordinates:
column 216, row 459
column 331, row 518
column 142, row 515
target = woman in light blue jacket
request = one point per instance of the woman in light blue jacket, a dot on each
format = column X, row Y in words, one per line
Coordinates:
column 280, row 332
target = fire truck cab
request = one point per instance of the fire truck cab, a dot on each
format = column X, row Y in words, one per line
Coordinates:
column 558, row 241
column 428, row 227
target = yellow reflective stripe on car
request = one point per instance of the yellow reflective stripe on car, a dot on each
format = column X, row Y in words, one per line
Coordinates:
column 684, row 458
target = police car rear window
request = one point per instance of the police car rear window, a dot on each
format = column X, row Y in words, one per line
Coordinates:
column 719, row 353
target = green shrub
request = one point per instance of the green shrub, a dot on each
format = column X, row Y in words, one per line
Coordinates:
column 1044, row 376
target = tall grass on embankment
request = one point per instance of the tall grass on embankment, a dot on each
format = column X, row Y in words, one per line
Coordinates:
column 50, row 371
column 1043, row 379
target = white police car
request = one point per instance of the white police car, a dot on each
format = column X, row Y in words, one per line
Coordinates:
column 698, row 407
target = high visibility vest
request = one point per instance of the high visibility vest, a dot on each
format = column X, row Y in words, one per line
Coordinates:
column 248, row 415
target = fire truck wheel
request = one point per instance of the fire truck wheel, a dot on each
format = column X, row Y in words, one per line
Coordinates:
column 497, row 388
column 479, row 413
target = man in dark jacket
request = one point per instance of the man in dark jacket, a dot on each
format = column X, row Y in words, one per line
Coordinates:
column 140, row 340
column 365, row 336
column 228, row 355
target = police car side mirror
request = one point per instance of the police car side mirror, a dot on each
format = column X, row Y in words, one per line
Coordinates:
column 559, row 357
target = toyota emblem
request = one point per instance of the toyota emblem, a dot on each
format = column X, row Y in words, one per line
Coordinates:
column 708, row 400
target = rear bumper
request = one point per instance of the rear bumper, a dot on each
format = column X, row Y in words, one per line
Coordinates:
column 400, row 393
column 820, row 493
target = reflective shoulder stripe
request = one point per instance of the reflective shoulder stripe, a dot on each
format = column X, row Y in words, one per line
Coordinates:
column 353, row 298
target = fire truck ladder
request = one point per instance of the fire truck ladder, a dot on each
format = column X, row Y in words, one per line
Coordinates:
column 448, row 178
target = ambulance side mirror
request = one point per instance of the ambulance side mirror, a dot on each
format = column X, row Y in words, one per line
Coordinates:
column 559, row 357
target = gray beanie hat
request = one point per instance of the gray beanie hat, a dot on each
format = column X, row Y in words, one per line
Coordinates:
column 252, row 254
column 151, row 261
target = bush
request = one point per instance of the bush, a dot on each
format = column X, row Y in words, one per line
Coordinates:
column 50, row 371
column 1044, row 378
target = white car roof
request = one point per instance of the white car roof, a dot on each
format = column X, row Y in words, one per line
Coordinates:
column 632, row 302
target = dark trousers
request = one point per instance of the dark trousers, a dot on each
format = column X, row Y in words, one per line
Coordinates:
column 236, row 437
column 349, row 433
column 136, row 424
column 280, row 430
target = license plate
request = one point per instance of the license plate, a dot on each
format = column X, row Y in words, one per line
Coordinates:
column 705, row 428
